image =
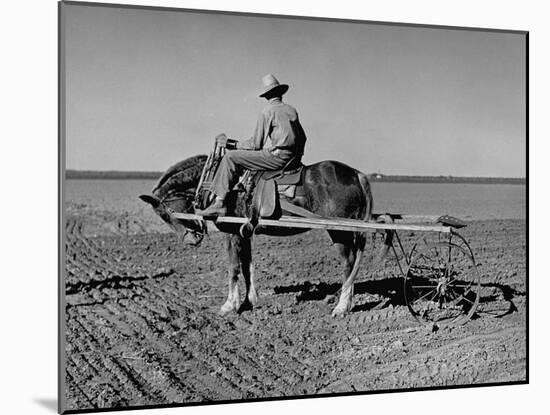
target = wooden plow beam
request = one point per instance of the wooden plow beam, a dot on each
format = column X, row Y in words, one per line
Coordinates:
column 340, row 224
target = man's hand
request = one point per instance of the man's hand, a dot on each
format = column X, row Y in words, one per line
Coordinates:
column 221, row 140
column 224, row 142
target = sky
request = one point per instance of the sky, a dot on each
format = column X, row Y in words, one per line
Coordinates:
column 147, row 88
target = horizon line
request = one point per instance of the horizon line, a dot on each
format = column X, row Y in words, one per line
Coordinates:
column 368, row 174
column 76, row 173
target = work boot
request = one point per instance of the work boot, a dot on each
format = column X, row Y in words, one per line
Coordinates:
column 215, row 209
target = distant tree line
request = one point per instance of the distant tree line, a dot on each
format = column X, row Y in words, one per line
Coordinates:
column 377, row 177
column 374, row 177
column 92, row 174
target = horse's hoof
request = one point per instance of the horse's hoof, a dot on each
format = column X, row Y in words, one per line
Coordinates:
column 253, row 299
column 340, row 311
column 226, row 309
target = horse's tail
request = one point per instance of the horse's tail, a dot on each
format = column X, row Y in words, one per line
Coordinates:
column 388, row 237
column 361, row 237
column 367, row 194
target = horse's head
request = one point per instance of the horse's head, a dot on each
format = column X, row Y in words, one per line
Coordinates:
column 190, row 231
column 175, row 192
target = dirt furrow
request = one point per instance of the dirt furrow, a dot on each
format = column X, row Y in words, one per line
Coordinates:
column 111, row 372
column 153, row 335
column 451, row 363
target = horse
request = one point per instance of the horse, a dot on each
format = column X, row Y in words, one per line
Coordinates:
column 330, row 189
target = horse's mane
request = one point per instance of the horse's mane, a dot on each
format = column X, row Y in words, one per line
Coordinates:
column 181, row 176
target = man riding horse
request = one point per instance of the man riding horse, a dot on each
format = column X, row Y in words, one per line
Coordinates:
column 278, row 140
column 331, row 189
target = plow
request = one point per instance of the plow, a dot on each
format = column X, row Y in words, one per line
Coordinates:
column 440, row 278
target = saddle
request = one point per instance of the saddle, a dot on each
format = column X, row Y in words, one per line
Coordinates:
column 270, row 186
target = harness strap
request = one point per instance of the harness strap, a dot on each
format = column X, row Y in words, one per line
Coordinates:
column 297, row 210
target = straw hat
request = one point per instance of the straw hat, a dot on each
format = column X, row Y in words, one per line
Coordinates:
column 271, row 84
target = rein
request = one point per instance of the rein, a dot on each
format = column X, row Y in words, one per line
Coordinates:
column 170, row 198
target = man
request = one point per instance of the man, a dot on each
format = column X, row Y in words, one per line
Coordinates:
column 277, row 139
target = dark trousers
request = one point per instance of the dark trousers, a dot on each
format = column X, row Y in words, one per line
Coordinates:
column 235, row 161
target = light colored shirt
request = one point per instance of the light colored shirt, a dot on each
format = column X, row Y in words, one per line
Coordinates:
column 278, row 127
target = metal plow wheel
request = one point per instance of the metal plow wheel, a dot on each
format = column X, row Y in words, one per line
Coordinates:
column 442, row 282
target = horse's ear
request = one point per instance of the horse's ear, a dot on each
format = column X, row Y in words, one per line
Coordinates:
column 152, row 200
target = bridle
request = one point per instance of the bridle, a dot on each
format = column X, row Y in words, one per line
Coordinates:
column 189, row 197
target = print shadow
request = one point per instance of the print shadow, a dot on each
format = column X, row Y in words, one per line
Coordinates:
column 48, row 403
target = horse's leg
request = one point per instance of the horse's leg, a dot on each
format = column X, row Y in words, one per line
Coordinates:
column 345, row 246
column 234, row 266
column 247, row 267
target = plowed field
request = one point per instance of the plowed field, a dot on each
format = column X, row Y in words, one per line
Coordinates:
column 142, row 325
